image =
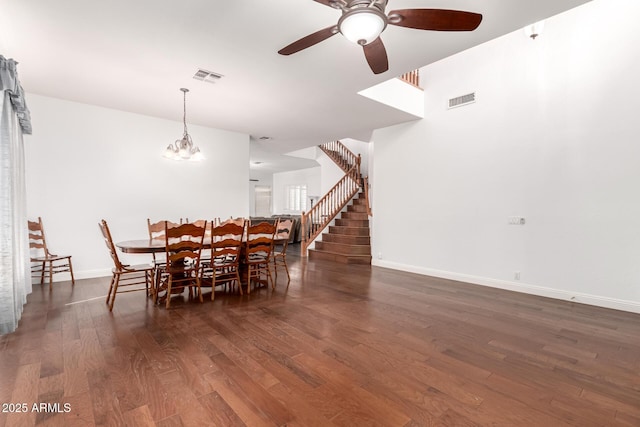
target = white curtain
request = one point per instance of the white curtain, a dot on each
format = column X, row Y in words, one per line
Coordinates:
column 15, row 276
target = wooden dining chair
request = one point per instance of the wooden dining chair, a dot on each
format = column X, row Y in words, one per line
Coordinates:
column 280, row 243
column 183, row 247
column 43, row 261
column 156, row 232
column 238, row 221
column 126, row 278
column 258, row 251
column 224, row 266
column 205, row 256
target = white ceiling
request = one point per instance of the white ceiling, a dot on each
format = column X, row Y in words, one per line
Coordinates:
column 135, row 55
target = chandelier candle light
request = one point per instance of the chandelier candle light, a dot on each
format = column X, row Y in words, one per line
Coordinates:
column 183, row 149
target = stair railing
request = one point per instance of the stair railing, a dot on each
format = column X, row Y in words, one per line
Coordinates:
column 365, row 185
column 329, row 206
column 341, row 155
column 412, row 77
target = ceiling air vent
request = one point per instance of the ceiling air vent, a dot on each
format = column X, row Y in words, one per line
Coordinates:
column 459, row 101
column 207, row 76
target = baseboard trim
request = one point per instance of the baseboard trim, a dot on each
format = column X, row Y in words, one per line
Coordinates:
column 581, row 298
column 78, row 275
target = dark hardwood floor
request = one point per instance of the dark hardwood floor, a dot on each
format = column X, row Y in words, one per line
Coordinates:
column 343, row 345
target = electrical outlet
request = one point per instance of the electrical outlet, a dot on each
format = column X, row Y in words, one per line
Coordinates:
column 379, row 255
column 517, row 220
column 516, row 275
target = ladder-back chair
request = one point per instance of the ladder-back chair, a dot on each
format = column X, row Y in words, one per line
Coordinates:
column 280, row 243
column 126, row 278
column 183, row 246
column 43, row 261
column 224, row 266
column 258, row 251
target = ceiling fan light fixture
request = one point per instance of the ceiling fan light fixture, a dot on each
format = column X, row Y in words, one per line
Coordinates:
column 362, row 25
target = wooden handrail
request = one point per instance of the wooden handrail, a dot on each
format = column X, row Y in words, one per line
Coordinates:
column 365, row 185
column 341, row 155
column 412, row 77
column 328, row 207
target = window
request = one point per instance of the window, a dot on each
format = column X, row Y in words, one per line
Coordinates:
column 297, row 197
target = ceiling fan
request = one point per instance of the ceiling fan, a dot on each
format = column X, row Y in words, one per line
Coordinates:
column 363, row 21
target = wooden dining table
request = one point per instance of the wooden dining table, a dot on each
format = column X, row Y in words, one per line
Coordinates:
column 149, row 246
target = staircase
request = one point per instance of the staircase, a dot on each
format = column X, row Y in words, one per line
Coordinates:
column 346, row 241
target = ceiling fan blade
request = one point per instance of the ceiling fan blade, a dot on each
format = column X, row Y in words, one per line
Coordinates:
column 435, row 19
column 309, row 40
column 325, row 2
column 376, row 55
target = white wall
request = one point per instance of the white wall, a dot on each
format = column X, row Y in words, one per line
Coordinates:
column 552, row 137
column 86, row 163
column 309, row 177
column 398, row 94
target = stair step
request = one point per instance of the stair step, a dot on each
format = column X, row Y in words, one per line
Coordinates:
column 351, row 231
column 342, row 248
column 352, row 222
column 354, row 215
column 346, row 239
column 357, row 208
column 336, row 257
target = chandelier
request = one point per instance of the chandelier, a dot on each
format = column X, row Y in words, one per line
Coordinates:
column 183, row 149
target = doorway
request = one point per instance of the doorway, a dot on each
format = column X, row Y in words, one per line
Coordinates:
column 263, row 200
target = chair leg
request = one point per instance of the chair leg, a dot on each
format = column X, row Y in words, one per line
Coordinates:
column 73, row 280
column 213, row 282
column 273, row 283
column 169, row 283
column 42, row 270
column 50, row 276
column 200, row 289
column 284, row 262
column 158, row 282
column 115, row 291
column 149, row 283
column 113, row 278
column 238, row 280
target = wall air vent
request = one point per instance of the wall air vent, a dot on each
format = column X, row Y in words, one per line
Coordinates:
column 460, row 101
column 207, row 76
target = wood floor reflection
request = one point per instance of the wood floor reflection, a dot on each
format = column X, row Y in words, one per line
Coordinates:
column 343, row 345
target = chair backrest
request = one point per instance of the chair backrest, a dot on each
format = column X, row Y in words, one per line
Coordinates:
column 283, row 229
column 184, row 244
column 260, row 240
column 206, row 224
column 226, row 242
column 237, row 221
column 37, row 241
column 156, row 229
column 156, row 232
column 106, row 233
column 272, row 220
